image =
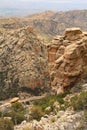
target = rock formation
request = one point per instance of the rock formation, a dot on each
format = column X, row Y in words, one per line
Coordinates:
column 23, row 63
column 67, row 57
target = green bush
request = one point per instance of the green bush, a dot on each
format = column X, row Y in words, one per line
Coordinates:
column 17, row 107
column 79, row 102
column 6, row 124
column 17, row 117
column 36, row 112
column 17, row 113
column 49, row 101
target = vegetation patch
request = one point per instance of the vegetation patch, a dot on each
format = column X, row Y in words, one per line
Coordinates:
column 17, row 113
column 49, row 101
column 79, row 102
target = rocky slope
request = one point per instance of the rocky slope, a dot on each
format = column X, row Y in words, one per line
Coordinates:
column 67, row 55
column 23, row 63
column 68, row 120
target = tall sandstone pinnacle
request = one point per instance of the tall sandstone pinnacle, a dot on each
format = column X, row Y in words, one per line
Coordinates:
column 67, row 56
column 23, row 63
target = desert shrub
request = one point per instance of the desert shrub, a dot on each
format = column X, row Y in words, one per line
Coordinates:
column 17, row 117
column 17, row 107
column 36, row 112
column 17, row 113
column 6, row 124
column 79, row 102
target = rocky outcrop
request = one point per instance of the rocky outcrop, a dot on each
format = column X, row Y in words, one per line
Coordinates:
column 68, row 120
column 23, row 63
column 69, row 60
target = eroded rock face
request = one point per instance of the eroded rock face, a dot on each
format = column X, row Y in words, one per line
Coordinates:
column 23, row 63
column 70, row 59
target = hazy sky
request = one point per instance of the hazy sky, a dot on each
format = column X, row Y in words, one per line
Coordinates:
column 41, row 5
column 27, row 3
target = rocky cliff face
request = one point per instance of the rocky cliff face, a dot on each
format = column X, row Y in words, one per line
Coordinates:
column 67, row 57
column 23, row 63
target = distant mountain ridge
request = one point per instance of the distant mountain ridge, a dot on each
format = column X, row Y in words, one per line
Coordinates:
column 49, row 22
column 15, row 12
column 59, row 21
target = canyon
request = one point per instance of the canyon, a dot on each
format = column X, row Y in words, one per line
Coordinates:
column 31, row 66
column 43, row 83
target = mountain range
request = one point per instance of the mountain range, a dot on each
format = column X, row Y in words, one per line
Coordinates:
column 48, row 23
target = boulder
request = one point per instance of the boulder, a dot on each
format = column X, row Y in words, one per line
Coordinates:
column 72, row 33
column 16, row 99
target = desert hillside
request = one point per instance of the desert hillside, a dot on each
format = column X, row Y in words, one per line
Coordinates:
column 49, row 23
column 23, row 62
